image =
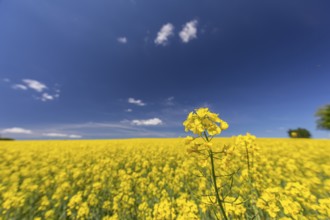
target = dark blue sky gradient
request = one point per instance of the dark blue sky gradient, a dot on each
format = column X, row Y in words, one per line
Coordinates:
column 263, row 65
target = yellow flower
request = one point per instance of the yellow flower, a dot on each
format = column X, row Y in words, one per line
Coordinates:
column 83, row 211
column 197, row 127
column 202, row 112
column 213, row 130
column 188, row 140
column 208, row 144
column 49, row 214
column 188, row 121
column 106, row 205
column 224, row 125
column 214, row 117
column 201, row 120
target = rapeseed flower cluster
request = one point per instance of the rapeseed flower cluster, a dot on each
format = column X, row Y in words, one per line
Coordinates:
column 224, row 173
column 202, row 120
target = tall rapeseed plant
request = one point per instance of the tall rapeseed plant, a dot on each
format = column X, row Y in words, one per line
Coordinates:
column 223, row 173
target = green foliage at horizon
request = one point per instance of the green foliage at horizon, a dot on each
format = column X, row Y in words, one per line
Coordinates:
column 6, row 139
column 323, row 114
column 299, row 133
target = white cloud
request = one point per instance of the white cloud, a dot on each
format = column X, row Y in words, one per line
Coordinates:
column 6, row 80
column 19, row 87
column 35, row 85
column 189, row 31
column 165, row 32
column 55, row 135
column 128, row 110
column 57, row 93
column 46, row 97
column 74, row 136
column 153, row 121
column 60, row 135
column 122, row 40
column 38, row 87
column 136, row 102
column 17, row 130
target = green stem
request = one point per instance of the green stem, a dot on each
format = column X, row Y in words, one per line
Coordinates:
column 206, row 137
column 250, row 181
column 248, row 160
column 216, row 188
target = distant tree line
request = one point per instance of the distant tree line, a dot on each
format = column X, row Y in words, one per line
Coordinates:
column 5, row 138
column 299, row 133
column 322, row 122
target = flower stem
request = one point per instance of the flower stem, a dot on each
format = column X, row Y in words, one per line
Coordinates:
column 216, row 188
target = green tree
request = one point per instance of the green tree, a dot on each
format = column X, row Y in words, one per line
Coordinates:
column 299, row 133
column 5, row 139
column 323, row 114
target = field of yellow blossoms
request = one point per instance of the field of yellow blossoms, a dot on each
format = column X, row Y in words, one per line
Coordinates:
column 157, row 179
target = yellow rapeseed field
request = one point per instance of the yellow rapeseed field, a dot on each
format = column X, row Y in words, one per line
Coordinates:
column 157, row 179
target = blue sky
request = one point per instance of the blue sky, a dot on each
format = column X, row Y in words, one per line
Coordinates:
column 135, row 68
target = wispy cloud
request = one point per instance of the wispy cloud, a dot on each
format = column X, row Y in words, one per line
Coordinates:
column 16, row 130
column 148, row 122
column 122, row 40
column 6, row 80
column 61, row 135
column 49, row 97
column 169, row 101
column 189, row 31
column 35, row 85
column 128, row 110
column 46, row 97
column 74, row 136
column 165, row 32
column 119, row 129
column 97, row 125
column 122, row 129
column 19, row 87
column 136, row 102
column 39, row 87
